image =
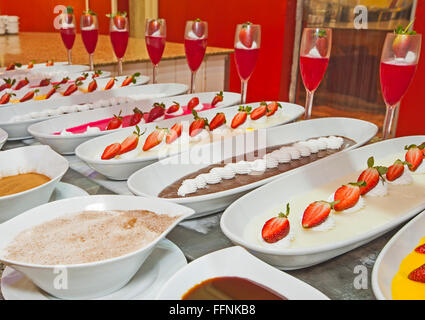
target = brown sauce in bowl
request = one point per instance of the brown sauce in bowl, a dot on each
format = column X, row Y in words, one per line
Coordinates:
column 21, row 182
column 231, row 288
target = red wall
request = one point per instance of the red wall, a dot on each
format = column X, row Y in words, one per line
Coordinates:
column 222, row 17
column 412, row 110
column 37, row 15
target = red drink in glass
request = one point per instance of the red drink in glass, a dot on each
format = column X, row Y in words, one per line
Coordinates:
column 68, row 37
column 155, row 46
column 90, row 39
column 195, row 52
column 312, row 71
column 395, row 79
column 119, row 40
column 245, row 61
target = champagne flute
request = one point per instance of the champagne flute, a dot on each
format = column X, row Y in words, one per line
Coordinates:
column 67, row 30
column 89, row 32
column 315, row 50
column 399, row 59
column 118, row 31
column 195, row 44
column 247, row 48
column 155, row 35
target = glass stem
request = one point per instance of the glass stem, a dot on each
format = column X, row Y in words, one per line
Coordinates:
column 192, row 82
column 91, row 62
column 388, row 122
column 120, row 66
column 69, row 57
column 154, row 73
column 244, row 87
column 308, row 104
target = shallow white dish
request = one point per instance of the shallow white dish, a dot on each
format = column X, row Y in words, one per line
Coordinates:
column 388, row 261
column 42, row 131
column 41, row 159
column 162, row 173
column 3, row 137
column 88, row 280
column 121, row 169
column 237, row 262
column 164, row 261
column 236, row 217
column 18, row 130
column 65, row 191
column 101, row 82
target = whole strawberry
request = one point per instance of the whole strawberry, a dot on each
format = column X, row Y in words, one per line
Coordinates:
column 414, row 155
column 402, row 41
column 277, row 228
column 371, row 176
column 157, row 111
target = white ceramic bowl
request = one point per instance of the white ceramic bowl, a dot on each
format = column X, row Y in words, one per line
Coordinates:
column 236, row 217
column 88, row 280
column 18, row 130
column 388, row 261
column 3, row 137
column 121, row 169
column 42, row 131
column 40, row 159
column 165, row 172
column 237, row 262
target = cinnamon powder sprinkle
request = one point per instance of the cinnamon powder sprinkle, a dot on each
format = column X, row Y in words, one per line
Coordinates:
column 88, row 236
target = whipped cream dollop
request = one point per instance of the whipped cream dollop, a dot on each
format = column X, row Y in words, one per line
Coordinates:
column 281, row 155
column 380, row 190
column 92, row 129
column 240, row 45
column 326, row 225
column 283, row 243
column 192, row 35
column 242, row 167
column 404, row 179
column 420, row 169
column 65, row 133
column 259, row 165
column 271, row 162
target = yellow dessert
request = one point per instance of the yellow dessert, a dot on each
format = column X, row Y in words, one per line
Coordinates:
column 21, row 182
column 40, row 97
column 402, row 288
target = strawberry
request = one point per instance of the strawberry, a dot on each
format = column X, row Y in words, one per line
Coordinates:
column 21, row 84
column 110, row 84
column 8, row 83
column 29, row 95
column 130, row 79
column 44, row 82
column 12, row 66
column 396, row 170
column 6, row 98
column 218, row 98
column 71, row 89
column 52, row 91
column 30, row 65
column 49, row 63
column 277, row 228
column 272, row 108
column 153, row 26
column 118, row 19
column 157, row 111
column 154, row 139
column 136, row 117
column 420, row 249
column 174, row 108
column 322, row 42
column 316, row 213
column 246, row 35
column 197, row 125
column 240, row 117
column 111, row 151
column 371, row 176
column 348, row 195
column 82, row 77
column 402, row 41
column 217, row 121
column 174, row 133
column 131, row 142
column 414, row 155
column 198, row 27
column 87, row 18
column 115, row 122
column 69, row 14
column 96, row 74
column 192, row 103
column 259, row 112
column 418, row 275
column 64, row 80
column 92, row 86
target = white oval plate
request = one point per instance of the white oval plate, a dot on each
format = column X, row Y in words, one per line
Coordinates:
column 237, row 262
column 163, row 262
column 101, row 82
column 121, row 169
column 42, row 131
column 18, row 130
column 388, row 261
column 238, row 215
column 162, row 173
